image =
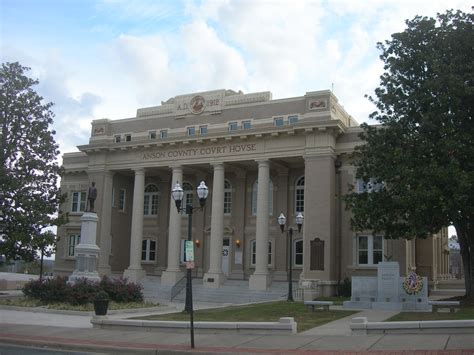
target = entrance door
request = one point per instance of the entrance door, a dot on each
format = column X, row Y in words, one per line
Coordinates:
column 225, row 256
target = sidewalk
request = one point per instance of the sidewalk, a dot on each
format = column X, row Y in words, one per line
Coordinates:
column 74, row 332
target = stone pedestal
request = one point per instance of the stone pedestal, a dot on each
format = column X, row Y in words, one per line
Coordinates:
column 213, row 280
column 87, row 251
column 309, row 289
column 388, row 284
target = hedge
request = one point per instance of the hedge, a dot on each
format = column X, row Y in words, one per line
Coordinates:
column 82, row 291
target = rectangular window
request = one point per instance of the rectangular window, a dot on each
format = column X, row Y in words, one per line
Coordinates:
column 73, row 240
column 203, row 130
column 113, row 196
column 152, row 135
column 253, row 257
column 292, row 119
column 148, row 250
column 128, row 137
column 191, row 131
column 246, row 124
column 233, row 126
column 278, row 122
column 78, row 201
column 227, row 202
column 369, row 249
column 298, row 252
column 163, row 133
column 150, row 204
column 117, row 138
column 122, row 200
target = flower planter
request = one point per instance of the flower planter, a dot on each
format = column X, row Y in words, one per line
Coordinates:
column 101, row 307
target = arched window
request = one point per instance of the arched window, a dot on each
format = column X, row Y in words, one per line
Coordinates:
column 298, row 252
column 227, row 197
column 254, row 198
column 299, row 195
column 150, row 202
column 188, row 195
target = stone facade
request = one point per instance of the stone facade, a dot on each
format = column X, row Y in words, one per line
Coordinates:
column 296, row 148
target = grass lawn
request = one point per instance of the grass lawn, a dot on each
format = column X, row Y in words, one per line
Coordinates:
column 28, row 302
column 261, row 312
column 337, row 300
column 466, row 311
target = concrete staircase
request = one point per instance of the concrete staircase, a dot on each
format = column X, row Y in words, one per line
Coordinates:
column 449, row 288
column 232, row 292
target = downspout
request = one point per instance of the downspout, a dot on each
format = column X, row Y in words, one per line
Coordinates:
column 337, row 165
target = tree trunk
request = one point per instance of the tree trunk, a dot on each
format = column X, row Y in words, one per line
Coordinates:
column 467, row 258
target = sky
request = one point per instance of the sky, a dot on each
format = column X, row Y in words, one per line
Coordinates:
column 107, row 58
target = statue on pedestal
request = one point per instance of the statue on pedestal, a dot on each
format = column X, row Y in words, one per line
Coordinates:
column 91, row 196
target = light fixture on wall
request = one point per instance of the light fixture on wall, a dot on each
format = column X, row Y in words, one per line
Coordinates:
column 198, row 243
column 237, row 243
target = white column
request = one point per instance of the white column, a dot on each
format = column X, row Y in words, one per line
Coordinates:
column 260, row 279
column 173, row 273
column 105, row 225
column 214, row 277
column 135, row 271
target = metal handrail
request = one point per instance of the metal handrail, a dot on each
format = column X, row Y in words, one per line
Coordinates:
column 178, row 287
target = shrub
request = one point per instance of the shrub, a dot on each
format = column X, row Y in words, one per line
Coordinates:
column 82, row 291
column 120, row 290
column 344, row 289
column 47, row 290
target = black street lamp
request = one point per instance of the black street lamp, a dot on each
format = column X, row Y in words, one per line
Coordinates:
column 177, row 193
column 289, row 232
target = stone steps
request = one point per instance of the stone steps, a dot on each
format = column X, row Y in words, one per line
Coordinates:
column 451, row 284
column 232, row 292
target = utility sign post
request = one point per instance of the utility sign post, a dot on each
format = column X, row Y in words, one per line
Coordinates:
column 189, row 251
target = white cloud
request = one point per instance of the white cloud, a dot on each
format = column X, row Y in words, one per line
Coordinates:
column 194, row 59
column 170, row 48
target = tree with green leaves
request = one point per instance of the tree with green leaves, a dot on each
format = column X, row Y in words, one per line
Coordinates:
column 420, row 159
column 29, row 195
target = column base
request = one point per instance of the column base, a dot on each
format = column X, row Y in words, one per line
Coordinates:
column 171, row 277
column 104, row 270
column 213, row 280
column 259, row 282
column 134, row 275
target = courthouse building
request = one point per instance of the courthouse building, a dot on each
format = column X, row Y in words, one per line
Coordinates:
column 259, row 157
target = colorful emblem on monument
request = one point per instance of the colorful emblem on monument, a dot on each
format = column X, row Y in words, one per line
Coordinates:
column 413, row 283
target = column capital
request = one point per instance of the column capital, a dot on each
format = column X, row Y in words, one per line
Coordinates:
column 139, row 171
column 176, row 167
column 321, row 154
column 263, row 162
column 217, row 165
column 109, row 173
